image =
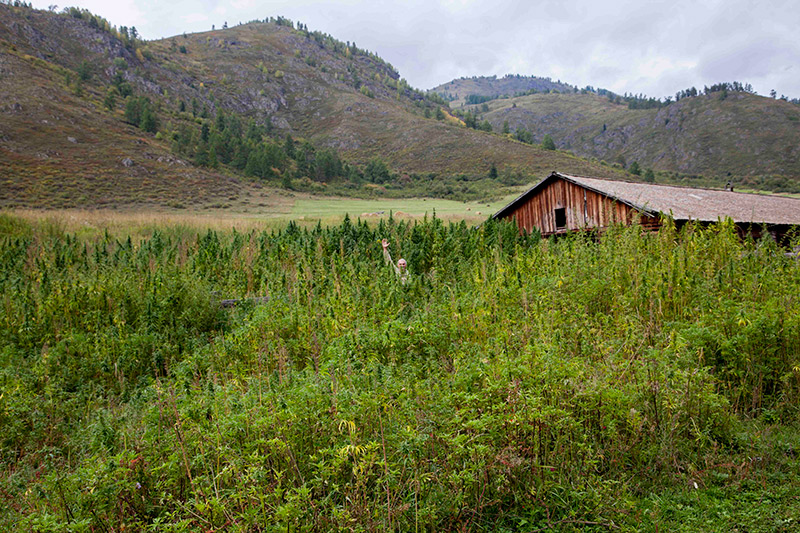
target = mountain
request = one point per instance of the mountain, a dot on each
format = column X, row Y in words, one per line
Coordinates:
column 478, row 89
column 60, row 149
column 721, row 135
column 75, row 88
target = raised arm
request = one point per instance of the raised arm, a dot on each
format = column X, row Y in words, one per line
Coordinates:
column 387, row 256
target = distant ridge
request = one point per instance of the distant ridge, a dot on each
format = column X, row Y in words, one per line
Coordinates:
column 749, row 139
column 491, row 87
column 708, row 137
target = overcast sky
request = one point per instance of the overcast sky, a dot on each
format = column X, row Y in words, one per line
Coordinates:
column 640, row 46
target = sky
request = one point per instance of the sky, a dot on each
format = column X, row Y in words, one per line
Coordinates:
column 646, row 47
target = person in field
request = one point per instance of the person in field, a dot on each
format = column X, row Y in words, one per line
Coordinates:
column 400, row 267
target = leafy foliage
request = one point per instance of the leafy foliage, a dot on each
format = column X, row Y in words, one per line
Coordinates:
column 511, row 384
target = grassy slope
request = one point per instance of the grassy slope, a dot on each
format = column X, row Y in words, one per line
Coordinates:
column 313, row 103
column 257, row 70
column 743, row 134
column 58, row 149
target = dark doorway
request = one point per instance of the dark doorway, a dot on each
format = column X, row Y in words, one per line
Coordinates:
column 561, row 217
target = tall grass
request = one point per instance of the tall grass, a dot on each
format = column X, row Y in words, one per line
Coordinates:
column 510, row 384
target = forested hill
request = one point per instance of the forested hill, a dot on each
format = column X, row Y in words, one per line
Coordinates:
column 94, row 115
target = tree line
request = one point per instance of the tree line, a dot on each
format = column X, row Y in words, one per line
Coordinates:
column 248, row 147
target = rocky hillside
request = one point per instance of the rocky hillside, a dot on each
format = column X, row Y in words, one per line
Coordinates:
column 720, row 135
column 67, row 136
column 340, row 98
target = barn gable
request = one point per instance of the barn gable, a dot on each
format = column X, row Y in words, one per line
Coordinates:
column 562, row 203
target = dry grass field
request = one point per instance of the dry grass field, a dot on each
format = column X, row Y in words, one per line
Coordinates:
column 305, row 210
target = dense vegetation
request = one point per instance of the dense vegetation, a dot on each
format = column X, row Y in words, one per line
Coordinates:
column 646, row 381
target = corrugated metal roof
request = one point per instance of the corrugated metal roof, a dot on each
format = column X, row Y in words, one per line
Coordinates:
column 687, row 203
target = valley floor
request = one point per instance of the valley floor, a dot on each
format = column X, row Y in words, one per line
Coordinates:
column 303, row 209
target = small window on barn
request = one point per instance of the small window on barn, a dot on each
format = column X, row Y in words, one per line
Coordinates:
column 561, row 217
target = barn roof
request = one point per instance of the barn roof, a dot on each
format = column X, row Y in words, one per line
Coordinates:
column 682, row 203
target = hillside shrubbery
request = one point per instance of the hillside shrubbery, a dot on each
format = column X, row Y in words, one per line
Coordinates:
column 510, row 384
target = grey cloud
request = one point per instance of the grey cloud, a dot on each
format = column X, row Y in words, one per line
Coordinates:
column 749, row 59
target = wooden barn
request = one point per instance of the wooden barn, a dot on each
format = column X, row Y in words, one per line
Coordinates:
column 560, row 203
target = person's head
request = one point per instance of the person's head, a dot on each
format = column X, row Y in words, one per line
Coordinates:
column 401, row 263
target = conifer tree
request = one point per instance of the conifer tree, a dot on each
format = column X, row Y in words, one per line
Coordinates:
column 149, row 121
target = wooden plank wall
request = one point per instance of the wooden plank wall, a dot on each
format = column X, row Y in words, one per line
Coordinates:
column 584, row 209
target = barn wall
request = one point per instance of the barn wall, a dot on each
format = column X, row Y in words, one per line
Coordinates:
column 584, row 209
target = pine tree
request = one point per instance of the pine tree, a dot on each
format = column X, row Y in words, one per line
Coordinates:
column 523, row 135
column 110, row 100
column 133, row 110
column 149, row 121
column 288, row 146
column 470, row 120
column 377, row 171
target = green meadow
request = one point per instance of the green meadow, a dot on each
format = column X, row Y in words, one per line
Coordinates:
column 335, row 208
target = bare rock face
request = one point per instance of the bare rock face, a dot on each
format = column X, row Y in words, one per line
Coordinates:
column 127, row 162
column 280, row 123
